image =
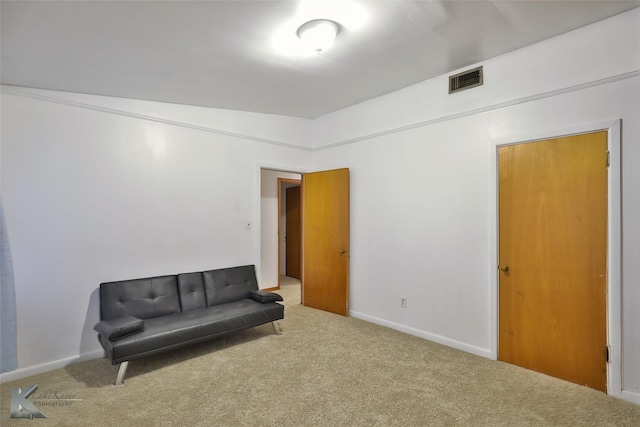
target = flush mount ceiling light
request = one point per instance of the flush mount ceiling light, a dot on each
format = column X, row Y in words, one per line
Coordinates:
column 318, row 34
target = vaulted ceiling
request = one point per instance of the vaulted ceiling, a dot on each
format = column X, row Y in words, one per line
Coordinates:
column 242, row 55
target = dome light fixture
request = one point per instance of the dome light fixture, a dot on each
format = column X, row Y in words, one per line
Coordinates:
column 318, row 34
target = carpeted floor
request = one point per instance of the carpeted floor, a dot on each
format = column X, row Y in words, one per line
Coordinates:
column 324, row 370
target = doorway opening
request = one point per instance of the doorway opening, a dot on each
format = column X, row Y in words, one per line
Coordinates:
column 271, row 234
column 289, row 232
column 324, row 235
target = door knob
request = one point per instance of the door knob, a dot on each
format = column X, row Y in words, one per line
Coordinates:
column 505, row 268
column 342, row 251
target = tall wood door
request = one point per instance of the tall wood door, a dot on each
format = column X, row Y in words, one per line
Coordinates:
column 553, row 257
column 325, row 240
column 293, row 236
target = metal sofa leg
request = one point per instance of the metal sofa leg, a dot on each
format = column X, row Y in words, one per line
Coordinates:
column 123, row 370
column 276, row 328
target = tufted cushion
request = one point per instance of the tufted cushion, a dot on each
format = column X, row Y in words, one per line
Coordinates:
column 191, row 289
column 229, row 284
column 141, row 298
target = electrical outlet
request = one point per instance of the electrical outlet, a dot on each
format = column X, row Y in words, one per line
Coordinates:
column 403, row 302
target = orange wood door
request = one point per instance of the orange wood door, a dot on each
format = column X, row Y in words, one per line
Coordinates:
column 325, row 240
column 553, row 237
column 293, row 233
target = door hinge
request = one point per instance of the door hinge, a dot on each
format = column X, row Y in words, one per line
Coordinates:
column 607, row 353
column 608, row 158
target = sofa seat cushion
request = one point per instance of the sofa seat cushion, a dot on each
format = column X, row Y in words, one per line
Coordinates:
column 174, row 330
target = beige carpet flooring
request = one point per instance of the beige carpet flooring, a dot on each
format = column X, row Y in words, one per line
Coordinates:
column 324, row 370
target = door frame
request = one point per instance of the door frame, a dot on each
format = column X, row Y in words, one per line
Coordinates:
column 282, row 181
column 614, row 242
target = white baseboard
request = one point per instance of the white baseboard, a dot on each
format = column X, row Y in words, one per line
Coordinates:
column 458, row 345
column 627, row 395
column 49, row 366
column 631, row 396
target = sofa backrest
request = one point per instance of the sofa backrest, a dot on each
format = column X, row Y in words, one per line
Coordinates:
column 159, row 296
column 191, row 288
column 229, row 284
column 141, row 298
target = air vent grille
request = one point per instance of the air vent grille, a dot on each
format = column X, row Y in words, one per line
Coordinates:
column 465, row 80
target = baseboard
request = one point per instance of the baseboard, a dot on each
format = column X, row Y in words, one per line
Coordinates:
column 49, row 366
column 458, row 345
column 627, row 395
column 630, row 396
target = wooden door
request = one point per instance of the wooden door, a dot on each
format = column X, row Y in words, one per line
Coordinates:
column 292, row 231
column 325, row 240
column 553, row 257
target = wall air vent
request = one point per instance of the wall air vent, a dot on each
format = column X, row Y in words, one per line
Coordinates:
column 465, row 80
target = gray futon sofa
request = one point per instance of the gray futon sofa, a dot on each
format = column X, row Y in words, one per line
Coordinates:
column 142, row 317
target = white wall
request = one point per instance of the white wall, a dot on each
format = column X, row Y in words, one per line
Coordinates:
column 98, row 189
column 423, row 182
column 269, row 226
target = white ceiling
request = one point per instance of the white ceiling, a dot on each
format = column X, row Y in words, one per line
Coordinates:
column 221, row 53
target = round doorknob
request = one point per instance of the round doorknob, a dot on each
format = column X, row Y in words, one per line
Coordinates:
column 505, row 268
